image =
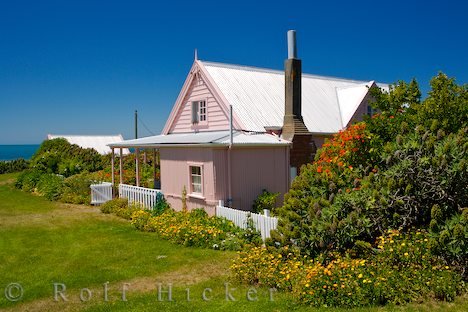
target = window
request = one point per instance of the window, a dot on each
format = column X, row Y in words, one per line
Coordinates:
column 196, row 180
column 199, row 110
column 202, row 111
column 370, row 111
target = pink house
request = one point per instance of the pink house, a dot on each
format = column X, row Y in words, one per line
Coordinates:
column 236, row 130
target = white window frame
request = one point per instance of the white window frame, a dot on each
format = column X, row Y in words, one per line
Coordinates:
column 192, row 191
column 202, row 111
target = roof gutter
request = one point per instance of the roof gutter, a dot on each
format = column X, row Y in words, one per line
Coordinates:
column 182, row 145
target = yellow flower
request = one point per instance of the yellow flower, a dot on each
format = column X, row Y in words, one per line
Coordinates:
column 360, row 276
column 406, row 254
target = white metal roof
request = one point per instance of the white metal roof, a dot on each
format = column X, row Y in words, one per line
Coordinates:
column 98, row 142
column 257, row 97
column 203, row 138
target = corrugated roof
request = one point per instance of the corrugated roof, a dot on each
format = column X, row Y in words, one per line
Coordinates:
column 203, row 138
column 257, row 97
column 98, row 142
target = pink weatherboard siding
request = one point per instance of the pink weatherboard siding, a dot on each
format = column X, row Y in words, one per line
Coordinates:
column 175, row 163
column 253, row 169
column 216, row 118
column 258, row 168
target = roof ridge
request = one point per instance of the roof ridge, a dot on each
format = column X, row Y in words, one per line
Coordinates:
column 276, row 71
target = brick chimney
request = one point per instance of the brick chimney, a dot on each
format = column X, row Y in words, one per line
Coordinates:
column 303, row 146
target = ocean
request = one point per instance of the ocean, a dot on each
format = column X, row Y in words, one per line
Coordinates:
column 11, row 152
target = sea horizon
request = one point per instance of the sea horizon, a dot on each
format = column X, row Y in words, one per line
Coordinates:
column 10, row 152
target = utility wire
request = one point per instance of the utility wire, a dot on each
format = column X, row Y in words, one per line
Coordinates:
column 146, row 127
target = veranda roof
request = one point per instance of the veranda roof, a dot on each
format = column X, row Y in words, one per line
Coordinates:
column 208, row 138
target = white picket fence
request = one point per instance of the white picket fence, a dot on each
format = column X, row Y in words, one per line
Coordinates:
column 262, row 223
column 100, row 193
column 145, row 196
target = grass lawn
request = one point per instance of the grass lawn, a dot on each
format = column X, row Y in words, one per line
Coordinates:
column 42, row 243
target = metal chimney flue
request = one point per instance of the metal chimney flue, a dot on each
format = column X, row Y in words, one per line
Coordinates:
column 292, row 49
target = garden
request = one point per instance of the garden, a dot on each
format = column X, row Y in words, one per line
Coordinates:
column 380, row 218
column 63, row 172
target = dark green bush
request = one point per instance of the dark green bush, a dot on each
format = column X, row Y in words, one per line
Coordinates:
column 13, row 165
column 265, row 200
column 449, row 240
column 160, row 206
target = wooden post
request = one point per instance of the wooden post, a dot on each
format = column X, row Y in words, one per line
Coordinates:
column 112, row 167
column 120, row 166
column 137, row 169
column 154, row 167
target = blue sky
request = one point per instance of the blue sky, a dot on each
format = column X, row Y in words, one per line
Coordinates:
column 83, row 67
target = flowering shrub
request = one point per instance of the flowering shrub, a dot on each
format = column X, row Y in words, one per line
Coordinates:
column 402, row 270
column 140, row 219
column 338, row 168
column 113, row 205
column 194, row 228
column 349, row 150
column 388, row 172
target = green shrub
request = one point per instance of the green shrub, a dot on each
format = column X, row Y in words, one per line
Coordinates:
column 76, row 189
column 113, row 205
column 60, row 157
column 160, row 206
column 50, row 186
column 421, row 173
column 265, row 200
column 28, row 179
column 389, row 172
column 13, row 165
column 449, row 240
